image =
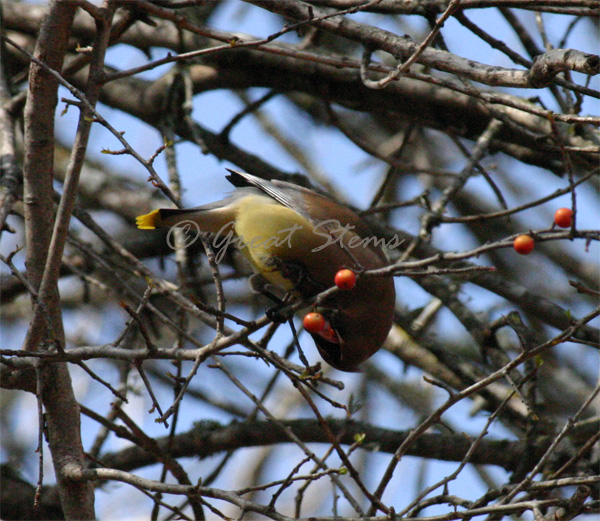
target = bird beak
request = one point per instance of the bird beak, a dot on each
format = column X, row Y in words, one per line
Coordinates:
column 329, row 334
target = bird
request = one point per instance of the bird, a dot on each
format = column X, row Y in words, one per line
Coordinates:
column 297, row 240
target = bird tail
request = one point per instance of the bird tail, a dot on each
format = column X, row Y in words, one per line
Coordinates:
column 209, row 218
column 165, row 218
column 149, row 221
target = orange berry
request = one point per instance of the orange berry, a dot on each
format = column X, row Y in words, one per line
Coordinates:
column 563, row 217
column 345, row 279
column 314, row 322
column 523, row 244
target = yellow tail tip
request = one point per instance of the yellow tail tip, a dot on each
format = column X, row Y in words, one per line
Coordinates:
column 148, row 221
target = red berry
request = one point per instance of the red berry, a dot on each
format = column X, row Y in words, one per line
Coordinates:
column 314, row 322
column 563, row 217
column 523, row 244
column 345, row 279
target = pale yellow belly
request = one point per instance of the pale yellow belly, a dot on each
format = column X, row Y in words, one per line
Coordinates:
column 267, row 229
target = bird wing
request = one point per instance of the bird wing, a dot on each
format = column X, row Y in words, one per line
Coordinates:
column 314, row 207
column 281, row 195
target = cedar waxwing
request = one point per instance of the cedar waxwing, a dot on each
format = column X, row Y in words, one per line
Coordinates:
column 298, row 240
